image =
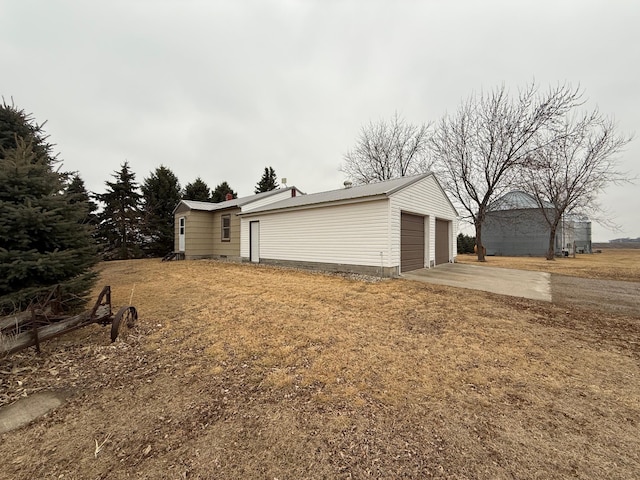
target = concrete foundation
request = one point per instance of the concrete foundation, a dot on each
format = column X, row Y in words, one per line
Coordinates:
column 385, row 272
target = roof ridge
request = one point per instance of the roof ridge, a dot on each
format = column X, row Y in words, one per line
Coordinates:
column 367, row 190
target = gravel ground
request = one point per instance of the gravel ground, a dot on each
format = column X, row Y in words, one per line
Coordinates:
column 605, row 295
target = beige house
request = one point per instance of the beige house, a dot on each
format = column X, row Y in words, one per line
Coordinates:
column 212, row 230
column 384, row 228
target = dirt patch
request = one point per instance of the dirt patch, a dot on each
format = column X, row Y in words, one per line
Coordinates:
column 596, row 294
column 238, row 371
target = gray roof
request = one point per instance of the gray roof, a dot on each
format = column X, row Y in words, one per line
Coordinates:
column 516, row 200
column 369, row 190
column 233, row 203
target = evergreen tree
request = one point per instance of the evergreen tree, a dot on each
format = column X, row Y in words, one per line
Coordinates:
column 161, row 194
column 42, row 241
column 221, row 191
column 268, row 182
column 198, row 190
column 120, row 220
column 15, row 124
column 80, row 198
column 466, row 243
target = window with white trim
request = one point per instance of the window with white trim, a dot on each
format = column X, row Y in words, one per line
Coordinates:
column 226, row 228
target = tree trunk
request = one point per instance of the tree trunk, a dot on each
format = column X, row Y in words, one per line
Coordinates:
column 480, row 250
column 551, row 251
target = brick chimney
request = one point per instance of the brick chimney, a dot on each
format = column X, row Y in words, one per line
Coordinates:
column 228, row 196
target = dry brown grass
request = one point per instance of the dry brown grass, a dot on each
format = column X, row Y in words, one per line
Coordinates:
column 242, row 371
column 612, row 264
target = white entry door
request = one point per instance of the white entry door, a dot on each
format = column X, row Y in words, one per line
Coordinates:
column 254, row 241
column 181, row 229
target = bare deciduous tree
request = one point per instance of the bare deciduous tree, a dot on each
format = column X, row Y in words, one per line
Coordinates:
column 386, row 150
column 572, row 166
column 480, row 147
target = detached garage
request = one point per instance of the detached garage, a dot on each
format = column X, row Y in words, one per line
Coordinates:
column 384, row 228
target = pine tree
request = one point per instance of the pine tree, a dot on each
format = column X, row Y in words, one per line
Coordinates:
column 198, row 190
column 80, row 198
column 221, row 191
column 161, row 194
column 16, row 124
column 465, row 243
column 42, row 240
column 268, row 182
column 118, row 232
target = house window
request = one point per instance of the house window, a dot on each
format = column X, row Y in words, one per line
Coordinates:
column 226, row 228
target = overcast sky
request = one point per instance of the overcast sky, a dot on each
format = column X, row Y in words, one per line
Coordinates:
column 221, row 89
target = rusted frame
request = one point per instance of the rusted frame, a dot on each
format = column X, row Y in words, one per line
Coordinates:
column 29, row 329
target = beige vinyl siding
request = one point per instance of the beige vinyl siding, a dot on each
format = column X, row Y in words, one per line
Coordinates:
column 232, row 247
column 422, row 198
column 276, row 197
column 176, row 232
column 353, row 234
column 181, row 211
column 198, row 238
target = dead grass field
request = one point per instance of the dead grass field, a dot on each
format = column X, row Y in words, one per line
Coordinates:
column 243, row 371
column 611, row 264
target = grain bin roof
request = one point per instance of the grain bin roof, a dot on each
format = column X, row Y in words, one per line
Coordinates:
column 516, row 200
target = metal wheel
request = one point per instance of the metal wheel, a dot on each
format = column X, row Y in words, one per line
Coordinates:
column 123, row 321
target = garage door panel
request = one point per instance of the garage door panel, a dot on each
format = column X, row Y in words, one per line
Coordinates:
column 411, row 242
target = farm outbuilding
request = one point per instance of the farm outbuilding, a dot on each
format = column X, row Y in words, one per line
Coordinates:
column 383, row 228
column 576, row 234
column 515, row 225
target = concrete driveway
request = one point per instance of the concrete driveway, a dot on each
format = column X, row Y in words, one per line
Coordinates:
column 517, row 283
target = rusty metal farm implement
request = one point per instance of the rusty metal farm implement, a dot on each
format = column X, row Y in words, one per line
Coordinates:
column 43, row 321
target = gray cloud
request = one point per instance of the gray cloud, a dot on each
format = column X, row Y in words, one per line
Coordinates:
column 222, row 89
